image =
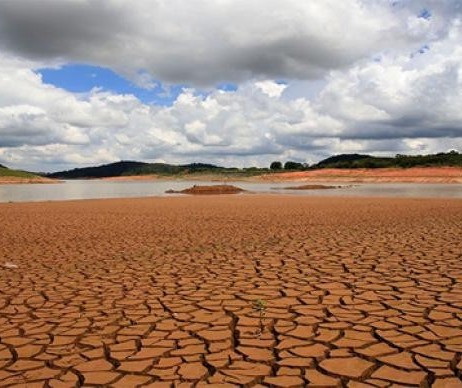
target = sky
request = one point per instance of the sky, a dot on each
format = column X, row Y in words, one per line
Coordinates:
column 230, row 82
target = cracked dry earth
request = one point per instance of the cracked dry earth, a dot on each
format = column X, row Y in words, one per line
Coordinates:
column 159, row 292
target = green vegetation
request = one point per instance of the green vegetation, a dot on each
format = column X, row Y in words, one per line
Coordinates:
column 452, row 158
column 295, row 166
column 276, row 166
column 133, row 168
column 6, row 172
column 123, row 168
column 289, row 165
column 260, row 306
column 130, row 168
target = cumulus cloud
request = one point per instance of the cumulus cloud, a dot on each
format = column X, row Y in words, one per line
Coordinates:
column 201, row 42
column 408, row 96
column 359, row 76
column 248, row 124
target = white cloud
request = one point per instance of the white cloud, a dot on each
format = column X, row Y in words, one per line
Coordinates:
column 271, row 88
column 201, row 42
column 386, row 82
column 405, row 96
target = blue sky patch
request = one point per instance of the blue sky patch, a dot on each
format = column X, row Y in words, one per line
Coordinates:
column 425, row 14
column 77, row 78
column 424, row 49
column 227, row 87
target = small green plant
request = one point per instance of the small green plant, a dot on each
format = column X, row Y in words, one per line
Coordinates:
column 260, row 306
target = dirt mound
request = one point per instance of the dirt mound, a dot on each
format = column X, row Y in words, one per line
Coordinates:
column 207, row 190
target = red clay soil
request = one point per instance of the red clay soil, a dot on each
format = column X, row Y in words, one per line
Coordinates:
column 411, row 175
column 208, row 190
column 160, row 291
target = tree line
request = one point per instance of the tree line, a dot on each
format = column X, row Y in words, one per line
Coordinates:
column 450, row 159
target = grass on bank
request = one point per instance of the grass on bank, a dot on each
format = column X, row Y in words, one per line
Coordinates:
column 6, row 172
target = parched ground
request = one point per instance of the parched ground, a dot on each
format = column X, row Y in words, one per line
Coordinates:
column 159, row 292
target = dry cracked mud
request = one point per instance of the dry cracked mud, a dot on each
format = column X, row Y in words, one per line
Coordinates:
column 160, row 292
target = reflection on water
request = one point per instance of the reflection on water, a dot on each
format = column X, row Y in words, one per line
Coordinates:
column 80, row 189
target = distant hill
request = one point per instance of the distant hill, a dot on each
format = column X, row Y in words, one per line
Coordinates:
column 133, row 168
column 6, row 172
column 2, row 166
column 452, row 158
column 342, row 159
column 130, row 168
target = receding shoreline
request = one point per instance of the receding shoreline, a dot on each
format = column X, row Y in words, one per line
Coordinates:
column 380, row 175
column 443, row 175
column 36, row 181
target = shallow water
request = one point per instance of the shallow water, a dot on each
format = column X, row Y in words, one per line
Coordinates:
column 84, row 189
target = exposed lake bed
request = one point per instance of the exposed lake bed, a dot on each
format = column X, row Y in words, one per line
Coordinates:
column 152, row 282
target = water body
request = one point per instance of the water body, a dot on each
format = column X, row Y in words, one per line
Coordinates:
column 84, row 189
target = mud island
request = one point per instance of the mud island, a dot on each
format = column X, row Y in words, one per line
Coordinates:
column 208, row 190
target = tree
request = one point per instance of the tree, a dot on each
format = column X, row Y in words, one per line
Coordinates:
column 293, row 166
column 276, row 166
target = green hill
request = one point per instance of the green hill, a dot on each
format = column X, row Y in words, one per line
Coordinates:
column 449, row 159
column 6, row 172
column 342, row 160
column 130, row 168
column 133, row 168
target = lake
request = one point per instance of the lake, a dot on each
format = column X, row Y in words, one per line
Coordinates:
column 92, row 189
